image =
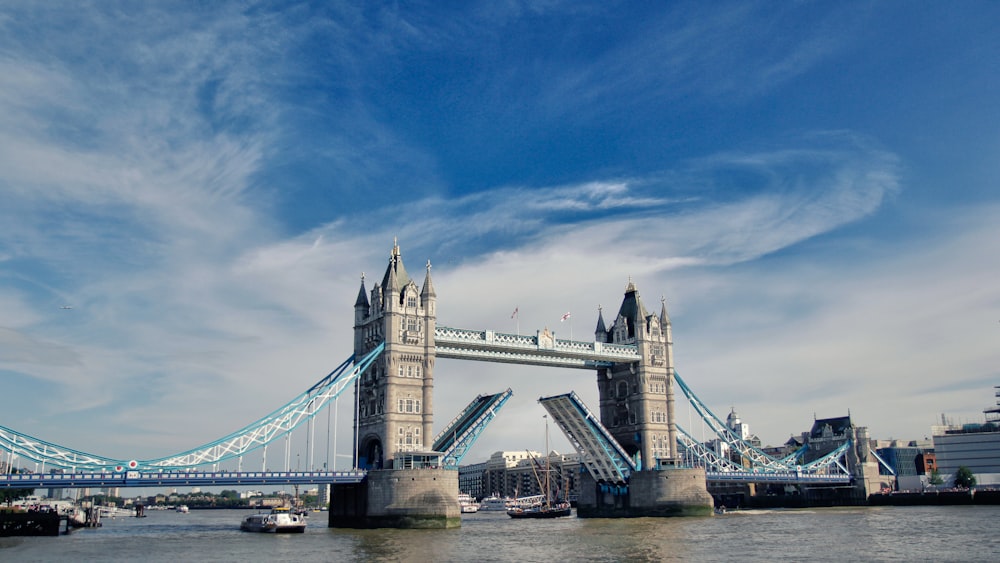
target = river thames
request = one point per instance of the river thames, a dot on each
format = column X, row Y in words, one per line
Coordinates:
column 961, row 533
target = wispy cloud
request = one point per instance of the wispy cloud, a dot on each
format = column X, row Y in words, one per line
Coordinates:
column 147, row 178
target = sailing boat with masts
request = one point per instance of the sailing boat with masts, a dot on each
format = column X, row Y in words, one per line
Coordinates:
column 548, row 509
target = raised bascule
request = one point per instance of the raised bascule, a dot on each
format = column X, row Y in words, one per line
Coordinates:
column 638, row 460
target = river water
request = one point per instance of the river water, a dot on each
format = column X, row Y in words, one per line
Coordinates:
column 961, row 533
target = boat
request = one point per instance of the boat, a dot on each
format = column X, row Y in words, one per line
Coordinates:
column 495, row 503
column 467, row 503
column 543, row 508
column 280, row 520
column 183, row 509
column 551, row 510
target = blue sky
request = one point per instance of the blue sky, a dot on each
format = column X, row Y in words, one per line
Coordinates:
column 811, row 186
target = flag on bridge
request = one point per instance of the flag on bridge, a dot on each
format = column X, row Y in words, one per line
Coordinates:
column 564, row 317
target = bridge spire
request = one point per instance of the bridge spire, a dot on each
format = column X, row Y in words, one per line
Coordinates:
column 362, row 300
column 428, row 290
column 601, row 332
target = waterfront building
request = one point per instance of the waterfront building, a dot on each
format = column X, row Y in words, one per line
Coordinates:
column 908, row 462
column 495, row 477
column 470, row 479
column 976, row 446
column 516, row 474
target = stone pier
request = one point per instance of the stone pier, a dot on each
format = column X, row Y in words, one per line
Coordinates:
column 398, row 498
column 664, row 492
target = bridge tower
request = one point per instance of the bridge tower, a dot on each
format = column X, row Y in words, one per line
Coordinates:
column 637, row 399
column 637, row 408
column 394, row 396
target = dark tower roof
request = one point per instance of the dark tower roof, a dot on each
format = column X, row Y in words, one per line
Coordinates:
column 838, row 426
column 362, row 300
column 632, row 309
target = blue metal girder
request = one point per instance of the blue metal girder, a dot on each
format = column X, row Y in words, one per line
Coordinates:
column 757, row 457
column 600, row 453
column 462, row 432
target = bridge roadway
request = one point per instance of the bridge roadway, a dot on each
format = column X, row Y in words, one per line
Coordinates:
column 230, row 478
column 176, row 478
column 790, row 477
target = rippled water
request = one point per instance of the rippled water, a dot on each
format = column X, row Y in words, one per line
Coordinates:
column 961, row 533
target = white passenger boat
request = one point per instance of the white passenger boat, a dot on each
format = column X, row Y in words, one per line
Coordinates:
column 278, row 521
column 496, row 503
column 183, row 509
column 467, row 503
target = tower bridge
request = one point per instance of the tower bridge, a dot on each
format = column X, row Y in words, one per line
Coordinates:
column 639, row 461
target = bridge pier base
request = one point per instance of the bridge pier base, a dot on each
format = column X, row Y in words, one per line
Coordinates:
column 659, row 493
column 398, row 498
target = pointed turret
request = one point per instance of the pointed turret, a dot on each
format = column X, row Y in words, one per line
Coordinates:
column 428, row 289
column 664, row 317
column 601, row 332
column 362, row 300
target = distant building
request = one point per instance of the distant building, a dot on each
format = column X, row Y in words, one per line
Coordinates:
column 517, row 474
column 976, row 446
column 927, row 463
column 495, row 478
column 912, row 463
column 828, row 434
column 470, row 479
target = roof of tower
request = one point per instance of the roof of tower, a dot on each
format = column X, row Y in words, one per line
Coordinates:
column 838, row 426
column 395, row 274
column 362, row 299
column 428, row 290
column 600, row 321
column 664, row 317
column 733, row 417
column 632, row 308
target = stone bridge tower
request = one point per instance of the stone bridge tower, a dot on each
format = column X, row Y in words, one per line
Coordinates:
column 394, row 397
column 637, row 399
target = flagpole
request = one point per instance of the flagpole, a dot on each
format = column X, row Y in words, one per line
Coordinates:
column 570, row 318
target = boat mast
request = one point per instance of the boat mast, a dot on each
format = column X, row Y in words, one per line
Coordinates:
column 548, row 469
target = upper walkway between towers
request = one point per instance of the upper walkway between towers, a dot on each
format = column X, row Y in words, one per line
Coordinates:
column 540, row 349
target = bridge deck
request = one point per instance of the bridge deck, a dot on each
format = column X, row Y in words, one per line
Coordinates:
column 459, row 435
column 193, row 478
column 603, row 457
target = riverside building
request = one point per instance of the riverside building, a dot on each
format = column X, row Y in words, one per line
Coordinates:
column 976, row 446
